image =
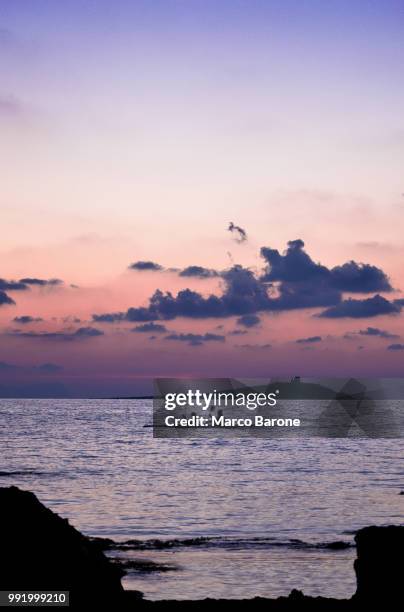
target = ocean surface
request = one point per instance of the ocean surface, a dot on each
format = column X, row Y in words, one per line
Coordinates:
column 191, row 518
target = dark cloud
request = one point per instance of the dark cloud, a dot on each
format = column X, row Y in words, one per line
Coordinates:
column 24, row 283
column 309, row 340
column 80, row 334
column 154, row 328
column 290, row 281
column 145, row 265
column 5, row 299
column 248, row 320
column 244, row 294
column 395, row 347
column 12, row 285
column 253, row 346
column 137, row 314
column 296, row 266
column 25, row 319
column 198, row 272
column 239, row 233
column 109, row 317
column 196, row 339
column 305, row 294
column 375, row 331
column 41, row 282
column 238, row 332
column 359, row 278
column 370, row 307
column 87, row 332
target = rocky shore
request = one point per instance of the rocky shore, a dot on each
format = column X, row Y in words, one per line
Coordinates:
column 42, row 551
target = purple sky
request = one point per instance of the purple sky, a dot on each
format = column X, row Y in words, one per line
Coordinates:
column 137, row 131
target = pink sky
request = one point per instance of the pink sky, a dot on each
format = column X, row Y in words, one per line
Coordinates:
column 140, row 133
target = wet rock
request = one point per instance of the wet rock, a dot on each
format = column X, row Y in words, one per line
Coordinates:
column 379, row 564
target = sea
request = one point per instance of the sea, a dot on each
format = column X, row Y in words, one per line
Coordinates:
column 190, row 517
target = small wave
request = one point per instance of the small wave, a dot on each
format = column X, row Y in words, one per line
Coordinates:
column 143, row 566
column 219, row 542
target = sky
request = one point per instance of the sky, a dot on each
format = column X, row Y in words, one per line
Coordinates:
column 137, row 131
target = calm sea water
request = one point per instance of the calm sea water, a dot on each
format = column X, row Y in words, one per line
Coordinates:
column 267, row 510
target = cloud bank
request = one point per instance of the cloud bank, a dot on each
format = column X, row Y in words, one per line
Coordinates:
column 289, row 282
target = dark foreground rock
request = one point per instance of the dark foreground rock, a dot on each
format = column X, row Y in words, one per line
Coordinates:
column 40, row 551
column 379, row 565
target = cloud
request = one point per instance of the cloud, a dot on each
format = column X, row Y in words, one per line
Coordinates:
column 80, row 334
column 196, row 339
column 253, row 346
column 248, row 320
column 395, row 347
column 145, row 265
column 239, row 233
column 198, row 272
column 5, row 299
column 238, row 332
column 290, row 281
column 41, row 282
column 309, row 340
column 155, row 328
column 87, row 332
column 370, row 307
column 12, row 285
column 296, row 266
column 25, row 319
column 109, row 317
column 359, row 278
column 375, row 331
column 23, row 285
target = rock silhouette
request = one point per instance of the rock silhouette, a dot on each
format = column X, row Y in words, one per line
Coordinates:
column 379, row 564
column 41, row 551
